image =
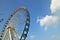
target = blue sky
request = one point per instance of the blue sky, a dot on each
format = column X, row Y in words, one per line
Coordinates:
column 37, row 9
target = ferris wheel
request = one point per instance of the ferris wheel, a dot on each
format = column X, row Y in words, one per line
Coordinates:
column 17, row 25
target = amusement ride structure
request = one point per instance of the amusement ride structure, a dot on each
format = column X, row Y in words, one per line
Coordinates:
column 17, row 25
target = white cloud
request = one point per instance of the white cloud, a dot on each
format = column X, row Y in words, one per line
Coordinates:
column 55, row 5
column 47, row 21
column 52, row 20
column 54, row 37
column 32, row 37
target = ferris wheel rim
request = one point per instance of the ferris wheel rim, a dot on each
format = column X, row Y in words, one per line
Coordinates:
column 27, row 24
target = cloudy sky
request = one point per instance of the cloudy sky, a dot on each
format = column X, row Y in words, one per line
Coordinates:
column 44, row 16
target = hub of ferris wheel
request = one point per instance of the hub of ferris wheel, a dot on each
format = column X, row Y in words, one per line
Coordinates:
column 10, row 32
